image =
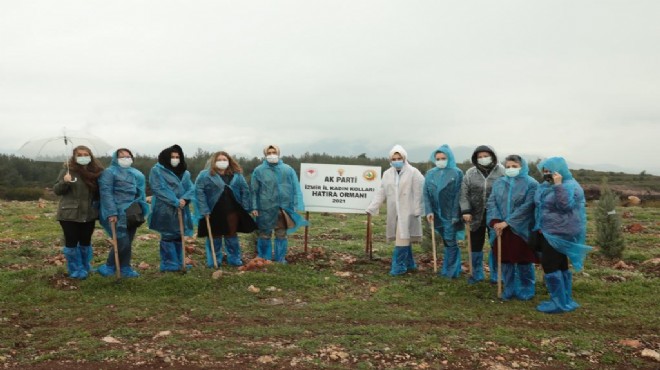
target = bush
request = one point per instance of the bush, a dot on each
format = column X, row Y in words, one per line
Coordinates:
column 23, row 194
column 609, row 235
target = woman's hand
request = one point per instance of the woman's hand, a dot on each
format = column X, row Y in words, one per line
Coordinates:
column 255, row 213
column 556, row 177
column 430, row 218
column 467, row 218
column 499, row 227
column 112, row 219
column 67, row 177
column 182, row 203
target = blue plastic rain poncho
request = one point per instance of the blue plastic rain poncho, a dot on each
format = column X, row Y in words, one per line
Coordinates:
column 442, row 192
column 209, row 189
column 561, row 213
column 120, row 187
column 512, row 201
column 275, row 186
column 169, row 185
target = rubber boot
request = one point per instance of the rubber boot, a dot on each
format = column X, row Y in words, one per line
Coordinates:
column 264, row 248
column 477, row 268
column 527, row 288
column 410, row 260
column 451, row 263
column 178, row 248
column 509, row 281
column 554, row 281
column 568, row 286
column 87, row 254
column 234, row 253
column 281, row 247
column 168, row 256
column 399, row 261
column 217, row 244
column 128, row 272
column 74, row 263
column 492, row 265
column 106, row 270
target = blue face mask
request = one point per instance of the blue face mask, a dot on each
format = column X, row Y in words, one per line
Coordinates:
column 397, row 164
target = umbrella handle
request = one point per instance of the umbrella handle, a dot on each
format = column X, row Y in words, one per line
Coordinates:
column 68, row 173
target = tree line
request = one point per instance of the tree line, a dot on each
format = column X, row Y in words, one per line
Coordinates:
column 26, row 179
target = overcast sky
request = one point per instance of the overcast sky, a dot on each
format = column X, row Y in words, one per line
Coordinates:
column 579, row 79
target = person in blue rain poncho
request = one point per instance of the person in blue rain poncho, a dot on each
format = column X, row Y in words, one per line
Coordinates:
column 121, row 187
column 475, row 190
column 173, row 190
column 223, row 195
column 402, row 186
column 561, row 225
column 510, row 215
column 442, row 191
column 276, row 196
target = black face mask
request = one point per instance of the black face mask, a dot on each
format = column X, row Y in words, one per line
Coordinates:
column 548, row 177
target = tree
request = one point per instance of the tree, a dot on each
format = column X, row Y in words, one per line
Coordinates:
column 609, row 235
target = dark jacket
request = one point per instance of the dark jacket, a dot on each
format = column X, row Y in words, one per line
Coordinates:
column 78, row 203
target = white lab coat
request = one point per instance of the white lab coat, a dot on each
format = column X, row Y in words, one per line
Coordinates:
column 403, row 191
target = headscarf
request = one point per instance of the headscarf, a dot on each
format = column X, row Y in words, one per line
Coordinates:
column 166, row 155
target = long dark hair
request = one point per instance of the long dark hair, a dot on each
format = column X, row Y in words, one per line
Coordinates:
column 88, row 173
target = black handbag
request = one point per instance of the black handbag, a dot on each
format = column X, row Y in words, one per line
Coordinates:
column 134, row 215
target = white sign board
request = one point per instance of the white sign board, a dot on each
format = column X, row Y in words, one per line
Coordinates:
column 338, row 188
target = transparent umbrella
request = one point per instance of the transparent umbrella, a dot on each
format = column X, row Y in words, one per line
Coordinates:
column 60, row 148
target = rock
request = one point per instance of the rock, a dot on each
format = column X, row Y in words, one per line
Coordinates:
column 627, row 214
column 275, row 301
column 652, row 261
column 110, row 339
column 271, row 289
column 373, row 289
column 163, row 333
column 634, row 228
column 143, row 265
column 614, row 278
column 622, row 266
column 253, row 289
column 630, row 343
column 265, row 359
column 651, row 354
column 343, row 273
column 633, row 200
column 216, row 274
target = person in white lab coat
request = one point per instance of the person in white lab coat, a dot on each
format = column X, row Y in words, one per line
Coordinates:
column 402, row 187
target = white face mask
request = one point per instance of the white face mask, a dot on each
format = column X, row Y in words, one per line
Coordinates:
column 272, row 158
column 485, row 161
column 83, row 161
column 125, row 162
column 222, row 164
column 512, row 171
column 175, row 162
column 441, row 163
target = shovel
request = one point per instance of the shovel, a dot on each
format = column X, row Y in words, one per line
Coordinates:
column 116, row 249
column 208, row 227
column 183, row 245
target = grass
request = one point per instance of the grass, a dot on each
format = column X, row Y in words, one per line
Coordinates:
column 314, row 317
